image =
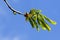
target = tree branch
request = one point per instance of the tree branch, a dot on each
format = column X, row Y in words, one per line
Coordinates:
column 12, row 8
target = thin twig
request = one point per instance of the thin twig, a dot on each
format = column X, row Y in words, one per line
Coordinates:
column 12, row 8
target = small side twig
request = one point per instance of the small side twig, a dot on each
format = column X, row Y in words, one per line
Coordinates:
column 12, row 8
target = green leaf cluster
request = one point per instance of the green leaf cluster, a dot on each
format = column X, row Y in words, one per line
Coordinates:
column 38, row 20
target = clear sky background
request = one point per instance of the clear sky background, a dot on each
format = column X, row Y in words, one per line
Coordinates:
column 14, row 27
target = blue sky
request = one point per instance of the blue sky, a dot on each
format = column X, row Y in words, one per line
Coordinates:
column 14, row 27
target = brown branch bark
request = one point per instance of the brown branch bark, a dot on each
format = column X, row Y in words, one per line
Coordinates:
column 12, row 8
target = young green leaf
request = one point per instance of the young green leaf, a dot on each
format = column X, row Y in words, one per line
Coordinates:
column 41, row 24
column 34, row 17
column 46, row 25
column 32, row 11
column 49, row 20
column 35, row 24
column 32, row 23
column 43, row 27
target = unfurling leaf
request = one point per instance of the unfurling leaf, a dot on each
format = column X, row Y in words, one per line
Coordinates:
column 46, row 25
column 35, row 24
column 49, row 20
column 41, row 24
column 34, row 17
column 43, row 27
column 32, row 23
column 41, row 16
column 32, row 11
column 38, row 20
